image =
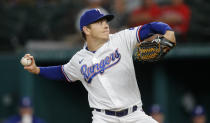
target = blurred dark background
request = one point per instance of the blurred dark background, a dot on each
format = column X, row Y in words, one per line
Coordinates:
column 47, row 30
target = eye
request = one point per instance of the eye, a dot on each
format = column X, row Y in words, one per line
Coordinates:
column 100, row 22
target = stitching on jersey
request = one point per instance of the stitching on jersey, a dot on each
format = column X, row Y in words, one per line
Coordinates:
column 90, row 72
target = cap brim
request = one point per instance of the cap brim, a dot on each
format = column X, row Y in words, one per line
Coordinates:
column 108, row 17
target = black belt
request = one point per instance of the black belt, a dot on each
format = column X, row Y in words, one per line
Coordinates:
column 120, row 113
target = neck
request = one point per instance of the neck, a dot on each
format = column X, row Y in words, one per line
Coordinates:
column 94, row 45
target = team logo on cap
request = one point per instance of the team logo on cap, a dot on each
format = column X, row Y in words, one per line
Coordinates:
column 99, row 11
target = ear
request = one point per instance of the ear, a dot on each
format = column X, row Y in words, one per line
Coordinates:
column 86, row 30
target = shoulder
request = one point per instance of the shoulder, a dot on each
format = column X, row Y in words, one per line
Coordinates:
column 129, row 34
column 116, row 35
column 127, row 30
column 80, row 53
column 78, row 56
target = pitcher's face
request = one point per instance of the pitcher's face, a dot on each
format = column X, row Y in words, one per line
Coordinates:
column 100, row 30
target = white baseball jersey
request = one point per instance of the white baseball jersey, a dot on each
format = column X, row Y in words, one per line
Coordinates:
column 108, row 74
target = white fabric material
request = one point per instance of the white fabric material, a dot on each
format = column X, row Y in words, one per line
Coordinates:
column 26, row 119
column 108, row 74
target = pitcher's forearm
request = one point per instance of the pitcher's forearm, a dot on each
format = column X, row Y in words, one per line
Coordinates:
column 37, row 71
column 32, row 69
column 52, row 72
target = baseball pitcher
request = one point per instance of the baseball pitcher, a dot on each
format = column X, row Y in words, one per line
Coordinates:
column 105, row 66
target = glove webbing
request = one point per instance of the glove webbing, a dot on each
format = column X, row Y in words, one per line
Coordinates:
column 148, row 51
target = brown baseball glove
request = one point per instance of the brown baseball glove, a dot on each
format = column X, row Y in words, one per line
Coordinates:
column 153, row 48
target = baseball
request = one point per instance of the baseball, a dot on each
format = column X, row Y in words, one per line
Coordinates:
column 25, row 61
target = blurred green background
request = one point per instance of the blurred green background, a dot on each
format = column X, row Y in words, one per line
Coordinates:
column 38, row 27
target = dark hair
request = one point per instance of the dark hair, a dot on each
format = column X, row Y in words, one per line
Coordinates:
column 83, row 35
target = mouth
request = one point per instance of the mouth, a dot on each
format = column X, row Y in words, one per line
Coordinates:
column 107, row 31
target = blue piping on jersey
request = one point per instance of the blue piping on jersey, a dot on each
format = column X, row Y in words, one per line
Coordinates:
column 138, row 34
column 67, row 78
column 90, row 72
column 89, row 50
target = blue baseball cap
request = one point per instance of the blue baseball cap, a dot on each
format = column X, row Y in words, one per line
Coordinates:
column 25, row 102
column 91, row 16
column 198, row 111
column 155, row 109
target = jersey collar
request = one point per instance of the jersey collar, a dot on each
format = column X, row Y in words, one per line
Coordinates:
column 89, row 50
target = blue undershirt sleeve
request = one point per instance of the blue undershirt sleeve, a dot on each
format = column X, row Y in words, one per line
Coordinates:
column 148, row 30
column 52, row 72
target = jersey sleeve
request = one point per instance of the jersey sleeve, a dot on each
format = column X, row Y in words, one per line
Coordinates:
column 152, row 28
column 130, row 38
column 70, row 71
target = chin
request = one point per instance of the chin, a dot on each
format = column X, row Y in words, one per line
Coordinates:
column 106, row 38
